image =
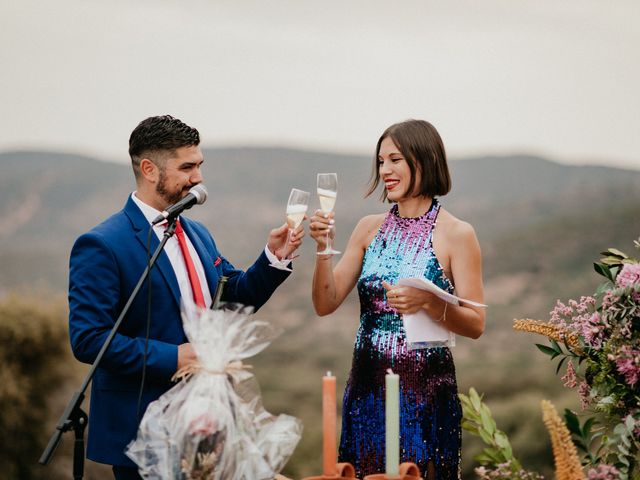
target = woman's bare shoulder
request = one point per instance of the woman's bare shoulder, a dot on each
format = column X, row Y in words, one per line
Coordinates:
column 454, row 229
column 374, row 220
column 368, row 226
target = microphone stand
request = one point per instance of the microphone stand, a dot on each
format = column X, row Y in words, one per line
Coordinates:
column 74, row 418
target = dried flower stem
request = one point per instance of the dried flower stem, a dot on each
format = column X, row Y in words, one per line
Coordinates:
column 565, row 453
column 549, row 330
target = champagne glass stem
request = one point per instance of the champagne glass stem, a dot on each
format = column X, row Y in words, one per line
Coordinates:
column 328, row 245
column 286, row 244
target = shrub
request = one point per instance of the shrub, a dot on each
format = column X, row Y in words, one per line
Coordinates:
column 33, row 352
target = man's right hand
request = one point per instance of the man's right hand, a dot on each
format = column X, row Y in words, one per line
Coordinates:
column 278, row 240
column 186, row 355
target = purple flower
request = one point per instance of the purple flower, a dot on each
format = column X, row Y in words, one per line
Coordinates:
column 629, row 276
column 591, row 327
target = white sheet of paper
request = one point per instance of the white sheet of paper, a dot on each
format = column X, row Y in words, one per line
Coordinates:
column 422, row 331
column 425, row 284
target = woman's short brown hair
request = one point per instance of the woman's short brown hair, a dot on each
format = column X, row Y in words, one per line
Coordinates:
column 421, row 146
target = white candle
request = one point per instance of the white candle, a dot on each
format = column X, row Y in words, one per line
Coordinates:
column 392, row 423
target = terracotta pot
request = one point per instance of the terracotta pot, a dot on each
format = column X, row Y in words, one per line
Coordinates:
column 345, row 470
column 407, row 471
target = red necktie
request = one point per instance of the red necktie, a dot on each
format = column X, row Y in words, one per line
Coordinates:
column 198, row 297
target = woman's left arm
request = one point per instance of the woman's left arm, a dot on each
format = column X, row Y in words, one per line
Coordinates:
column 466, row 270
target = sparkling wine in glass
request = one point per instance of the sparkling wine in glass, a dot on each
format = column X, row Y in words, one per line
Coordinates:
column 296, row 210
column 327, row 193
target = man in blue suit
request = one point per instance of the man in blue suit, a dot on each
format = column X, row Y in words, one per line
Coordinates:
column 106, row 264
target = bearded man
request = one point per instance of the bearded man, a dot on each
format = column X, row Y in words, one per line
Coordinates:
column 106, row 264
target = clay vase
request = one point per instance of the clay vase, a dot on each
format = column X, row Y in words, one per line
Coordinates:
column 345, row 470
column 407, row 471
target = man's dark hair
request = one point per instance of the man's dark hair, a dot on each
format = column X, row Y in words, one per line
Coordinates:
column 157, row 138
column 422, row 147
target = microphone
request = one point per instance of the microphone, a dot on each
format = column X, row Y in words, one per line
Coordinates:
column 196, row 195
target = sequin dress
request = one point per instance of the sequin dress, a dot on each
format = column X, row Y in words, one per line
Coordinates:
column 430, row 411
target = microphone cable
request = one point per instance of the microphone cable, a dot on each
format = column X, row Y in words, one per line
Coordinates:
column 148, row 330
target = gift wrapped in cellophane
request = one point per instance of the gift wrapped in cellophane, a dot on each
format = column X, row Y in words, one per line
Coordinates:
column 212, row 424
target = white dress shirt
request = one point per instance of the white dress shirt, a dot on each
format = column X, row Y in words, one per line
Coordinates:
column 172, row 249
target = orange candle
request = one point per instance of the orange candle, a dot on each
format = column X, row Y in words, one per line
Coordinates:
column 329, row 450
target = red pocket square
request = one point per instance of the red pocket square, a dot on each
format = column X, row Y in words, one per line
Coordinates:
column 217, row 262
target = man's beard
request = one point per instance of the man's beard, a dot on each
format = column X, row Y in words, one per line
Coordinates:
column 165, row 194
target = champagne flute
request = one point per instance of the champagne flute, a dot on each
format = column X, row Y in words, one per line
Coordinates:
column 327, row 191
column 296, row 210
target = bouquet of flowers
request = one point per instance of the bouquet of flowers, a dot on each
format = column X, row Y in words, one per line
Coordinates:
column 597, row 339
column 212, row 425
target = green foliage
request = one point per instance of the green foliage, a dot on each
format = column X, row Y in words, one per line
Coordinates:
column 608, row 328
column 623, row 445
column 556, row 350
column 33, row 350
column 477, row 419
column 612, row 257
column 584, row 436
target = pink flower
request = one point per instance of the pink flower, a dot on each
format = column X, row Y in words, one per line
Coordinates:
column 558, row 313
column 580, row 318
column 583, row 392
column 603, row 472
column 204, row 424
column 629, row 276
column 608, row 299
column 628, row 364
column 569, row 378
column 481, row 473
column 591, row 328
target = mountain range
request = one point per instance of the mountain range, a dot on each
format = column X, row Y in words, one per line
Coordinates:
column 47, row 199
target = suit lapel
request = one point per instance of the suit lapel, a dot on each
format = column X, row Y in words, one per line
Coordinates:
column 141, row 226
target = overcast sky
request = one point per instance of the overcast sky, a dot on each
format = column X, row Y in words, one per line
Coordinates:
column 556, row 78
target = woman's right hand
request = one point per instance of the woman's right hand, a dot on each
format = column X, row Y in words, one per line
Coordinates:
column 319, row 225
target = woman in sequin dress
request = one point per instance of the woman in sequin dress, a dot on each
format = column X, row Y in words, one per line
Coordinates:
column 416, row 238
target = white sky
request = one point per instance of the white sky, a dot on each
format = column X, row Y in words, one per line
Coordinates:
column 550, row 77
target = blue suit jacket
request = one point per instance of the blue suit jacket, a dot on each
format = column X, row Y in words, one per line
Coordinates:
column 105, row 266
